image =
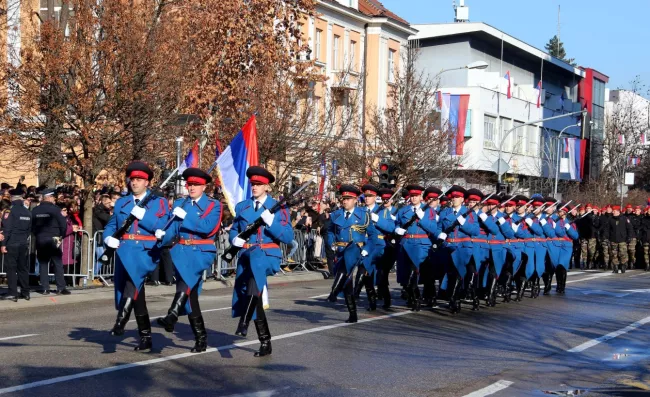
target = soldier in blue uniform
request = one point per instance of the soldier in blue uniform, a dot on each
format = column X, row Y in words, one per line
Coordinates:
column 137, row 252
column 260, row 257
column 490, row 218
column 196, row 220
column 512, row 245
column 534, row 223
column 415, row 243
column 387, row 260
column 350, row 233
column 480, row 246
column 566, row 233
column 524, row 228
column 435, row 266
column 383, row 221
column 547, row 221
column 458, row 227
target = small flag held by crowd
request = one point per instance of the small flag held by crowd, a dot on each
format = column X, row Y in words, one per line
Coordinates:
column 192, row 158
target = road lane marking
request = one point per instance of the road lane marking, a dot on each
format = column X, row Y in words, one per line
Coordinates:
column 493, row 388
column 584, row 346
column 318, row 296
column 573, row 273
column 18, row 337
column 102, row 371
column 601, row 275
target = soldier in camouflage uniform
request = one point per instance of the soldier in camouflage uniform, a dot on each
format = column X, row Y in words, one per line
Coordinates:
column 619, row 232
column 587, row 232
column 635, row 220
column 645, row 238
column 605, row 246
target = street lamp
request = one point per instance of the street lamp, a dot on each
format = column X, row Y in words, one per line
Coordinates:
column 478, row 65
column 557, row 162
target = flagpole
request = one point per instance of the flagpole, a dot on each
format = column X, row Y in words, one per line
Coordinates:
column 499, row 106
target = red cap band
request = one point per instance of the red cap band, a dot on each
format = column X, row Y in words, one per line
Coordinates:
column 537, row 203
column 415, row 192
column 196, row 180
column 139, row 174
column 349, row 194
column 260, row 179
column 432, row 195
column 370, row 193
column 522, row 202
column 474, row 197
column 386, row 196
column 456, row 194
column 510, row 203
column 492, row 202
column 616, row 208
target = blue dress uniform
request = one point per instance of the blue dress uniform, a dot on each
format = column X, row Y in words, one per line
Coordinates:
column 552, row 245
column 191, row 235
column 480, row 246
column 415, row 244
column 512, row 245
column 435, row 267
column 525, row 235
column 260, row 257
column 386, row 227
column 540, row 247
column 460, row 227
column 566, row 233
column 350, row 233
column 496, row 242
column 137, row 255
column 384, row 223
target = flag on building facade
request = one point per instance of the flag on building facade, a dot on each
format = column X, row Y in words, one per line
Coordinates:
column 633, row 161
column 192, row 158
column 577, row 149
column 507, row 77
column 234, row 161
column 644, row 139
column 323, row 179
column 456, row 117
column 539, row 94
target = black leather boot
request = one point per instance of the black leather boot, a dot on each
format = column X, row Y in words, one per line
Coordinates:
column 372, row 294
column 264, row 336
column 245, row 320
column 352, row 308
column 144, row 329
column 507, row 288
column 337, row 286
column 492, row 295
column 623, row 268
column 123, row 314
column 360, row 281
column 170, row 320
column 454, row 298
column 200, row 335
column 615, row 267
column 548, row 281
column 521, row 288
column 387, row 298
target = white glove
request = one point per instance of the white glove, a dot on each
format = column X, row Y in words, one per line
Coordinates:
column 112, row 242
column 179, row 213
column 461, row 220
column 515, row 227
column 268, row 217
column 442, row 236
column 529, row 221
column 483, row 216
column 567, row 226
column 364, row 253
column 543, row 222
column 159, row 234
column 374, row 217
column 501, row 221
column 399, row 231
column 238, row 242
column 419, row 213
column 138, row 212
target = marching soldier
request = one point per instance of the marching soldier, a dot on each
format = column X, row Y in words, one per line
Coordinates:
column 415, row 243
column 618, row 231
column 480, row 247
column 196, row 220
column 522, row 225
column 645, row 237
column 566, row 233
column 137, row 252
column 458, row 226
column 435, row 267
column 386, row 261
column 541, row 246
column 512, row 244
column 260, row 257
column 553, row 246
column 605, row 245
column 490, row 217
column 350, row 232
column 16, row 228
column 635, row 220
column 49, row 228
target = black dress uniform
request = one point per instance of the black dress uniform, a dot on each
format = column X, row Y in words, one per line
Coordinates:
column 17, row 226
column 49, row 228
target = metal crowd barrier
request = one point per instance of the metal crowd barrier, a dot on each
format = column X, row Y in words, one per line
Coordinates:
column 102, row 272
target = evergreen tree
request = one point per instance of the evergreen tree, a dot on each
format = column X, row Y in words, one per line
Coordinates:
column 556, row 48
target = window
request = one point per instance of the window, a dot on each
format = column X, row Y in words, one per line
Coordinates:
column 519, row 138
column 300, row 55
column 489, row 132
column 353, row 52
column 317, row 44
column 391, row 66
column 533, row 138
column 335, row 53
column 505, row 127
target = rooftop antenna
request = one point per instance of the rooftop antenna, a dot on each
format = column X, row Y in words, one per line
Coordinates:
column 461, row 11
column 558, row 29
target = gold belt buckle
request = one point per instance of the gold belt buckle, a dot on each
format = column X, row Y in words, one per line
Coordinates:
column 131, row 237
column 188, row 242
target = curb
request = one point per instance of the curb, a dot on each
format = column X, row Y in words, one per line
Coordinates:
column 107, row 293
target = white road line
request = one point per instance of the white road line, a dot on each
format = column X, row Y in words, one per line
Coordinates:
column 265, row 393
column 18, row 337
column 573, row 273
column 101, row 371
column 600, row 275
column 202, row 311
column 611, row 335
column 493, row 388
column 318, row 296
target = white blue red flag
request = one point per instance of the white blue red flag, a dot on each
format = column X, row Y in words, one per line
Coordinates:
column 233, row 163
column 192, row 158
column 507, row 77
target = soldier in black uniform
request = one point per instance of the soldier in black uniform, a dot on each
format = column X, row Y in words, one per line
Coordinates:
column 49, row 228
column 16, row 227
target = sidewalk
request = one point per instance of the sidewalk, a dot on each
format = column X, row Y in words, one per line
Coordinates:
column 107, row 293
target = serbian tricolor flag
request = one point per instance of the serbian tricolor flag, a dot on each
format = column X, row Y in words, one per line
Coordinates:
column 577, row 150
column 456, row 118
column 233, row 163
column 633, row 161
column 539, row 94
column 644, row 139
column 323, row 178
column 192, row 158
column 507, row 77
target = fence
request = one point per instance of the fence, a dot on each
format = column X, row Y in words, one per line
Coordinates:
column 77, row 261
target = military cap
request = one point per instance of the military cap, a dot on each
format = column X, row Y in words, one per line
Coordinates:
column 48, row 191
column 139, row 169
column 508, row 201
column 386, row 193
column 521, row 199
column 616, row 207
column 432, row 192
column 349, row 191
column 259, row 175
column 370, row 190
column 196, row 176
column 474, row 194
column 550, row 200
column 456, row 191
column 444, row 200
column 17, row 193
column 414, row 190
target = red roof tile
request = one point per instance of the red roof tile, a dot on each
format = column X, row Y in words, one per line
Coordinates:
column 376, row 9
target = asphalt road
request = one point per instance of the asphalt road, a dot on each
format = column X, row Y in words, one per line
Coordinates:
column 592, row 341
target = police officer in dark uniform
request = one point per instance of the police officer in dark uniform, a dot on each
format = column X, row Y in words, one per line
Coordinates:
column 17, row 226
column 49, row 228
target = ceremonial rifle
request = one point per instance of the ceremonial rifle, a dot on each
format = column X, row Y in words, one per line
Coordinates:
column 126, row 226
column 252, row 228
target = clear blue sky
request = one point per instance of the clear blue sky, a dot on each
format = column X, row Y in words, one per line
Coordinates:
column 610, row 36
